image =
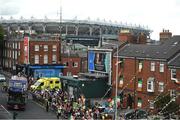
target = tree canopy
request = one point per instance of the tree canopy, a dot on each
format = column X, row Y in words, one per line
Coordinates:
column 1, row 35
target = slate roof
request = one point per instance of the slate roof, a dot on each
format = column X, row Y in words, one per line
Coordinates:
column 166, row 50
column 111, row 44
column 175, row 62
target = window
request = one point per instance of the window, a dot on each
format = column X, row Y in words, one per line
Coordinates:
column 152, row 66
column 16, row 45
column 121, row 80
column 36, row 48
column 68, row 73
column 19, row 46
column 161, row 67
column 151, row 104
column 173, row 74
column 139, row 84
column 15, row 54
column 54, row 59
column 150, row 84
column 121, row 62
column 45, row 59
column 75, row 64
column 54, row 48
column 36, row 59
column 161, row 87
column 140, row 65
column 45, row 47
column 66, row 64
column 173, row 94
column 139, row 104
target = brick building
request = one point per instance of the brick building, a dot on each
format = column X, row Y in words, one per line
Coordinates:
column 130, row 37
column 165, row 35
column 144, row 71
column 74, row 63
column 33, row 50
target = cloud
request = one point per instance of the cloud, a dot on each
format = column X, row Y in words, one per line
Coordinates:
column 9, row 7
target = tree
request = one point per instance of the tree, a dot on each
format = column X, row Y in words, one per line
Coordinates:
column 166, row 106
column 1, row 43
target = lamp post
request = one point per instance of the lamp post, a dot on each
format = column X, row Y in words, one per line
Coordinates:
column 116, row 80
column 116, row 88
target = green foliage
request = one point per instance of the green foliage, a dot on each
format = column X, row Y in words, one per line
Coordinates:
column 1, row 35
column 164, row 100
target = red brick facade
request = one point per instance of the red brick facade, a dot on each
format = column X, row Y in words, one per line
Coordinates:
column 73, row 65
column 131, row 74
column 129, row 37
column 15, row 49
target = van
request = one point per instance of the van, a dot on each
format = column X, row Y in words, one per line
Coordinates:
column 2, row 78
column 46, row 83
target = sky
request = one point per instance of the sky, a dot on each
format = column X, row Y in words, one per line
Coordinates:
column 156, row 14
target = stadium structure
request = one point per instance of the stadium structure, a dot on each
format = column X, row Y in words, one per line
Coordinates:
column 76, row 30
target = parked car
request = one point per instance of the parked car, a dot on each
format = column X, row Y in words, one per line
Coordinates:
column 134, row 114
column 2, row 78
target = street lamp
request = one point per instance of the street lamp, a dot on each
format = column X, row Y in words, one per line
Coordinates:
column 116, row 83
column 116, row 89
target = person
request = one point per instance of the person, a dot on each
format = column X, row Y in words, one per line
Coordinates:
column 14, row 115
column 59, row 111
column 129, row 101
column 47, row 106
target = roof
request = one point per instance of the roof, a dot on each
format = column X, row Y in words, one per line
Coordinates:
column 175, row 62
column 166, row 51
column 111, row 44
column 81, row 54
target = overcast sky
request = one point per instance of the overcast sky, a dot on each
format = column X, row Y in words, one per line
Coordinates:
column 156, row 14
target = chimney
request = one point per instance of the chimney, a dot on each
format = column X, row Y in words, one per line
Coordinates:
column 165, row 35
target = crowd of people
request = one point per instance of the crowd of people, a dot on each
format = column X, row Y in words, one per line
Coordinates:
column 67, row 107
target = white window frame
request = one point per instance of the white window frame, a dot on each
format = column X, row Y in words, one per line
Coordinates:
column 153, row 65
column 140, row 85
column 139, row 104
column 150, row 82
column 161, row 87
column 173, row 72
column 75, row 64
column 16, row 45
column 45, row 47
column 121, row 80
column 173, row 95
column 36, row 59
column 54, row 48
column 36, row 48
column 19, row 46
column 161, row 67
column 54, row 59
column 66, row 64
column 69, row 73
column 45, row 59
column 140, row 65
column 151, row 104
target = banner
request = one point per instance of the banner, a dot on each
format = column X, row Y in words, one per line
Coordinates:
column 26, row 50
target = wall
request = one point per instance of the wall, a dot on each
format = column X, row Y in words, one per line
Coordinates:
column 130, row 77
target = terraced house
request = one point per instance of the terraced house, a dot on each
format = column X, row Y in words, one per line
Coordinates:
column 148, row 71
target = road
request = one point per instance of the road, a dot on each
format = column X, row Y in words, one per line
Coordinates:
column 33, row 110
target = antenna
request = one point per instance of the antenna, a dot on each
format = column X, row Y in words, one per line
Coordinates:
column 60, row 19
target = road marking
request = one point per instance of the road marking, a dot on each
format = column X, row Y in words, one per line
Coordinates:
column 5, row 110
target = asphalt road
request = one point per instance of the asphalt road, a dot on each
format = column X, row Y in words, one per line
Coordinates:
column 33, row 110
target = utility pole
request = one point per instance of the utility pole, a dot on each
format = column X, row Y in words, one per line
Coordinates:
column 116, row 90
column 135, row 84
column 60, row 26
